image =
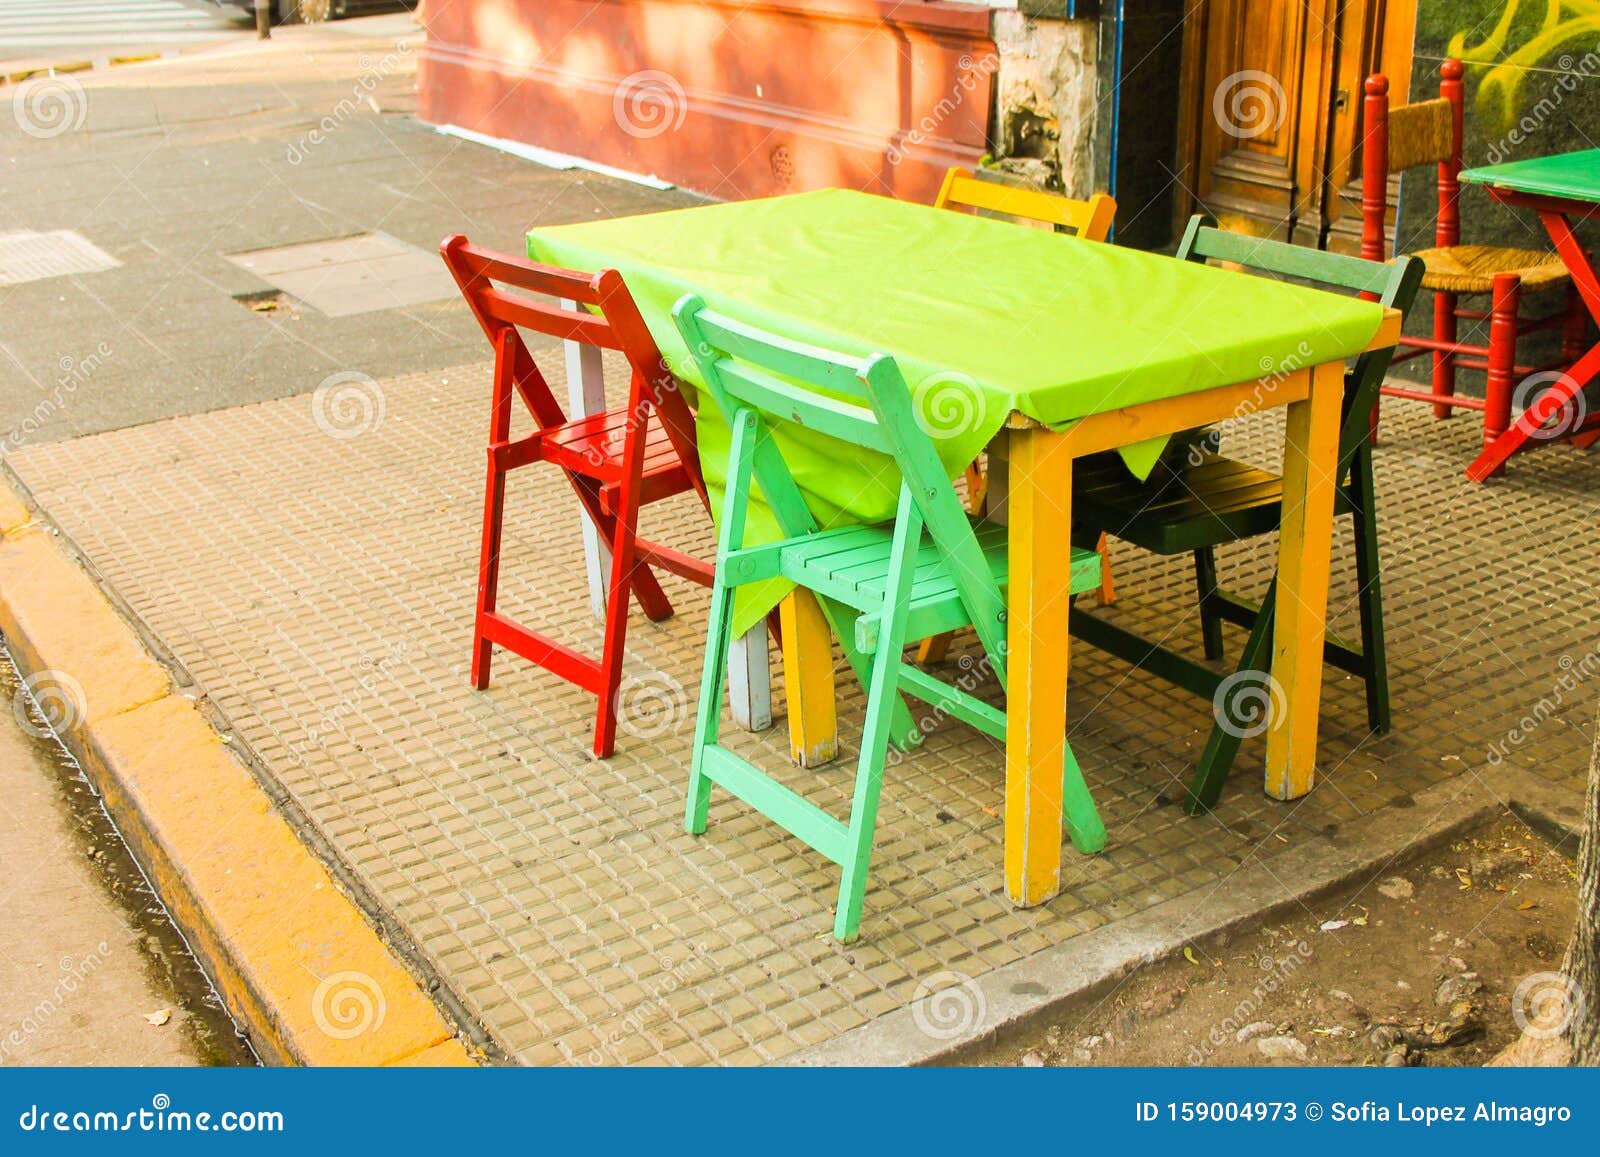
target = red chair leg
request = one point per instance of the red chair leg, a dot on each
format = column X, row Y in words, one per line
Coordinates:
column 494, row 501
column 652, row 599
column 625, row 572
column 1444, row 362
column 1502, row 359
column 1574, row 340
column 616, row 634
column 1575, row 328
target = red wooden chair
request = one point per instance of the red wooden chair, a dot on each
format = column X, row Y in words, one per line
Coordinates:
column 616, row 461
column 1430, row 132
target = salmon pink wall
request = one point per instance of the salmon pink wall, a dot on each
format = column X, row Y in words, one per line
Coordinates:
column 733, row 98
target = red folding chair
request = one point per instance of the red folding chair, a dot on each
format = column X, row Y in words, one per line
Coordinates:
column 616, row 461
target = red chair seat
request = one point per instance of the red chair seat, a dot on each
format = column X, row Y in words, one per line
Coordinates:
column 592, row 447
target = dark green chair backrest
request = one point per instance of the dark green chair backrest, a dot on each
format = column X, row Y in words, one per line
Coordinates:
column 1391, row 283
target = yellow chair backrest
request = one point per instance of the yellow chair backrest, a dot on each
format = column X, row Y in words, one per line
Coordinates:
column 1091, row 218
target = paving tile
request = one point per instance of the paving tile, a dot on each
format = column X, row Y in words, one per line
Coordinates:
column 361, row 273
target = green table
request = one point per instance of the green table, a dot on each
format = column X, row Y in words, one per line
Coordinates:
column 986, row 319
column 1560, row 189
column 1072, row 348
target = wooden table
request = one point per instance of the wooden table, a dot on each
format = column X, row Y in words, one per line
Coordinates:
column 1086, row 347
column 1560, row 189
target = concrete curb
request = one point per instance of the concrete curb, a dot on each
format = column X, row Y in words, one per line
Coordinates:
column 294, row 959
column 16, row 75
column 1009, row 1000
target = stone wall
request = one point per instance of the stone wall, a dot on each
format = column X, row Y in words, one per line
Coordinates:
column 1045, row 118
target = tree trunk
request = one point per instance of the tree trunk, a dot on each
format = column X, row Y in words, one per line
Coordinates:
column 1560, row 1012
column 1583, row 955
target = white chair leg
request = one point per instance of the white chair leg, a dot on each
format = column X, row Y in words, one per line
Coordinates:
column 750, row 680
column 586, row 394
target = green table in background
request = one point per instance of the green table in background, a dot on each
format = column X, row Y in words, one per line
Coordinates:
column 1561, row 189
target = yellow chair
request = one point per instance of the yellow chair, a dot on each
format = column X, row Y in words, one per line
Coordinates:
column 1091, row 219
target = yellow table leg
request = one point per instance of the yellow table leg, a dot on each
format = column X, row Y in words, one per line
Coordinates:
column 808, row 680
column 1039, row 505
column 1310, row 452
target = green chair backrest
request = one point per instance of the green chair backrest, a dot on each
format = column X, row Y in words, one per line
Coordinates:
column 862, row 402
column 1391, row 283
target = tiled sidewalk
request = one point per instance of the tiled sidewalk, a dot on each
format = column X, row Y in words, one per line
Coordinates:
column 311, row 562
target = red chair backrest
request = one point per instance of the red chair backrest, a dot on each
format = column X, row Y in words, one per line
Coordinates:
column 617, row 326
column 1393, row 140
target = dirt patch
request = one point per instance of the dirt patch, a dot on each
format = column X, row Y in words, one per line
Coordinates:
column 1418, row 965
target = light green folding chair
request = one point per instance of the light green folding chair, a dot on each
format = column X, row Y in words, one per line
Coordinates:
column 933, row 569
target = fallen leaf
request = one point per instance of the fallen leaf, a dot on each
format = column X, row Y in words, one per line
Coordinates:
column 159, row 1017
column 1465, row 877
column 1526, row 904
column 1188, row 954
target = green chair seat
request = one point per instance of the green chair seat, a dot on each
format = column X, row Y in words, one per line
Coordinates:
column 1214, row 501
column 852, row 566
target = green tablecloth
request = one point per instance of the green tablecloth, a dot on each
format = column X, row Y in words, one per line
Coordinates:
column 985, row 317
column 1572, row 176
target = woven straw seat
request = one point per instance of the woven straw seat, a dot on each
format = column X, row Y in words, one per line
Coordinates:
column 1472, row 268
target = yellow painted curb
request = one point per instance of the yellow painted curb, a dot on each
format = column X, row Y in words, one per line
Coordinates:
column 296, row 963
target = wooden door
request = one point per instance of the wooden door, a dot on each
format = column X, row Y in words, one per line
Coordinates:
column 1273, row 103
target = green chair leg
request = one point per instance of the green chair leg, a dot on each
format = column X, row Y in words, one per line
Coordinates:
column 903, row 731
column 1222, row 746
column 1370, row 594
column 719, row 629
column 1205, row 580
column 883, row 696
column 1082, row 818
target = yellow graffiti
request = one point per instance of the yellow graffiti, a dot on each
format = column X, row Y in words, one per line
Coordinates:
column 1500, row 95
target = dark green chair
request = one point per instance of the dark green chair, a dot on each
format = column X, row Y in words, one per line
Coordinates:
column 1199, row 500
